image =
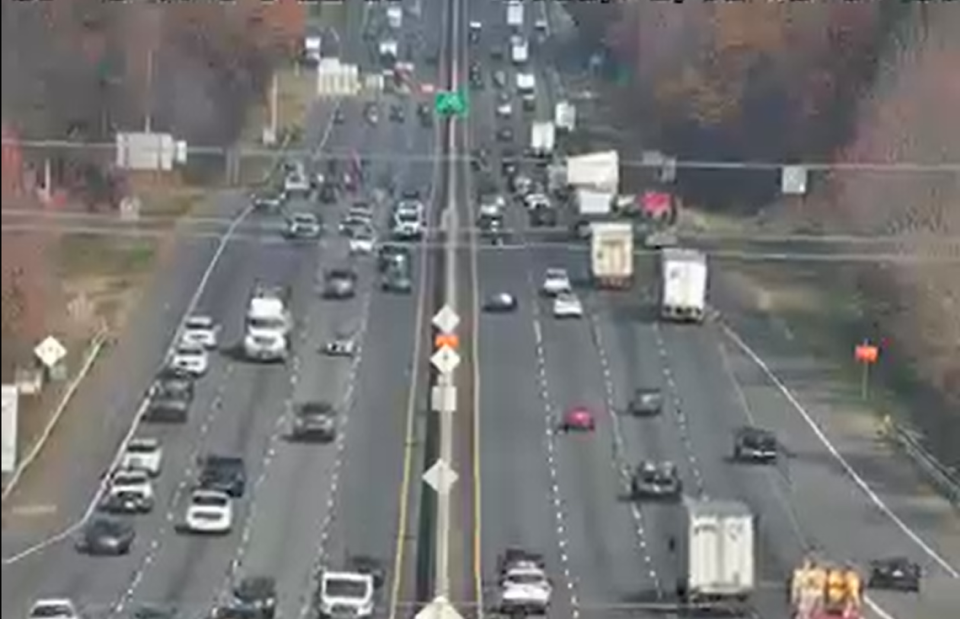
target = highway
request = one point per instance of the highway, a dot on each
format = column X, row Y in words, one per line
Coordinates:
column 562, row 495
column 306, row 506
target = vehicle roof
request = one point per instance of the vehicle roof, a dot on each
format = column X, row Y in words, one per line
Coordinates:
column 349, row 576
column 305, row 216
column 265, row 306
column 206, row 493
column 53, row 602
column 221, row 460
column 144, row 442
column 717, row 507
column 199, row 320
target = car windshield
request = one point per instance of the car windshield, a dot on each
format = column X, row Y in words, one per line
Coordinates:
column 105, row 527
column 526, row 579
column 143, row 447
column 209, row 500
column 343, row 588
column 254, row 589
column 130, row 478
column 199, row 323
column 51, row 610
column 340, row 276
column 556, row 274
column 265, row 324
column 319, row 409
column 304, row 219
column 190, row 351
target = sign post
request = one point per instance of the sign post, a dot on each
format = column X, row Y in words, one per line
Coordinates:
column 8, row 429
column 866, row 354
column 452, row 103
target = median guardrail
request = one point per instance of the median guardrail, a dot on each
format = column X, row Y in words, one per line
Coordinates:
column 909, row 442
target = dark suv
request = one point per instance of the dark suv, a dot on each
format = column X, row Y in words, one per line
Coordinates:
column 169, row 398
column 224, row 473
column 646, row 402
column 752, row 444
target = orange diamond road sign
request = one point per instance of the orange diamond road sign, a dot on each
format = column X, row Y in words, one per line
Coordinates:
column 450, row 340
column 866, row 354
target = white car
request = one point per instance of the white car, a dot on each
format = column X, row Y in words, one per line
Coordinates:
column 133, row 481
column 304, row 226
column 53, row 609
column 556, row 281
column 362, row 241
column 200, row 330
column 209, row 511
column 191, row 358
column 347, row 594
column 567, row 305
column 525, row 588
column 143, row 454
column 537, row 200
column 296, row 183
column 505, row 110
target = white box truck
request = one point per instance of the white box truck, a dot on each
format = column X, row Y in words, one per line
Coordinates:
column 611, row 254
column 714, row 546
column 519, row 51
column 600, row 170
column 526, row 83
column 395, row 15
column 683, row 285
column 543, row 138
column 515, row 14
column 592, row 203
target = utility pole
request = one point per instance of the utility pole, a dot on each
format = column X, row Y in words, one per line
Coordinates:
column 148, row 111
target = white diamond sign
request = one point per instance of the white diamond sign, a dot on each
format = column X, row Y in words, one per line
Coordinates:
column 446, row 319
column 439, row 608
column 441, row 477
column 50, row 352
column 446, row 360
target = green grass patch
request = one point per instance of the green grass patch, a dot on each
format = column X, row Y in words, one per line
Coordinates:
column 89, row 255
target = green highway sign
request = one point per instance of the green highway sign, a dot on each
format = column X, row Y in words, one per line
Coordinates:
column 451, row 103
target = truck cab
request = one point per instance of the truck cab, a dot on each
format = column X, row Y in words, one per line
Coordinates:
column 267, row 326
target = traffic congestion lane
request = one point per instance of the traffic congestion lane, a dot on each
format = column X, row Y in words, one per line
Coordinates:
column 187, row 571
column 354, row 513
column 59, row 569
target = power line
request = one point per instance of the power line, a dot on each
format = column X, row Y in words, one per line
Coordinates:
column 278, row 239
column 918, row 167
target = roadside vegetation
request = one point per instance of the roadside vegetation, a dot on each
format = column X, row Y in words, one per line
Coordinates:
column 831, row 81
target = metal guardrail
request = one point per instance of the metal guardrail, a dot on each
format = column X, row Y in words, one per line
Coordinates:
column 946, row 481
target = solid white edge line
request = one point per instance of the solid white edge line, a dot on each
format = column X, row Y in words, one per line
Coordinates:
column 135, row 425
column 856, row 477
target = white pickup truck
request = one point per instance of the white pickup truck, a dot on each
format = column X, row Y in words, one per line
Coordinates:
column 524, row 585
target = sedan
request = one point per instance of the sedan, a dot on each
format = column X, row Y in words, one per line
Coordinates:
column 896, row 573
column 209, row 511
column 190, row 358
column 556, row 281
column 315, row 421
column 362, row 241
column 340, row 284
column 646, row 402
column 106, row 537
column 53, row 608
column 143, row 454
column 200, row 330
column 567, row 305
column 579, row 419
column 303, row 226
column 501, row 302
column 340, row 347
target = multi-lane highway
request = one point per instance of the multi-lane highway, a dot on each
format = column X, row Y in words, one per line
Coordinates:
column 563, row 495
column 521, row 484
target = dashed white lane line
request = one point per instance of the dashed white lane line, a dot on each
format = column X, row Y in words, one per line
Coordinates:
column 620, row 465
column 216, row 406
column 679, row 412
column 328, row 517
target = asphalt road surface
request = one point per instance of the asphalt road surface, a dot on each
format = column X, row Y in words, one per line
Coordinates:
column 563, row 495
column 306, row 505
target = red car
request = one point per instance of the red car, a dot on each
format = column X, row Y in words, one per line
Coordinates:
column 579, row 419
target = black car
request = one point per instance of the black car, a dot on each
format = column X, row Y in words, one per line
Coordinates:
column 106, row 537
column 397, row 279
column 505, row 134
column 254, row 597
column 895, row 573
column 169, row 398
column 327, row 193
column 363, row 564
column 656, row 481
column 501, row 302
column 223, row 473
column 149, row 611
column 529, row 104
column 340, row 284
column 315, row 421
column 425, row 113
column 751, row 444
column 397, row 113
column 390, row 255
column 646, row 402
column 544, row 217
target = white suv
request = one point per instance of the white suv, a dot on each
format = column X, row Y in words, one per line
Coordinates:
column 346, row 594
column 555, row 282
column 143, row 454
